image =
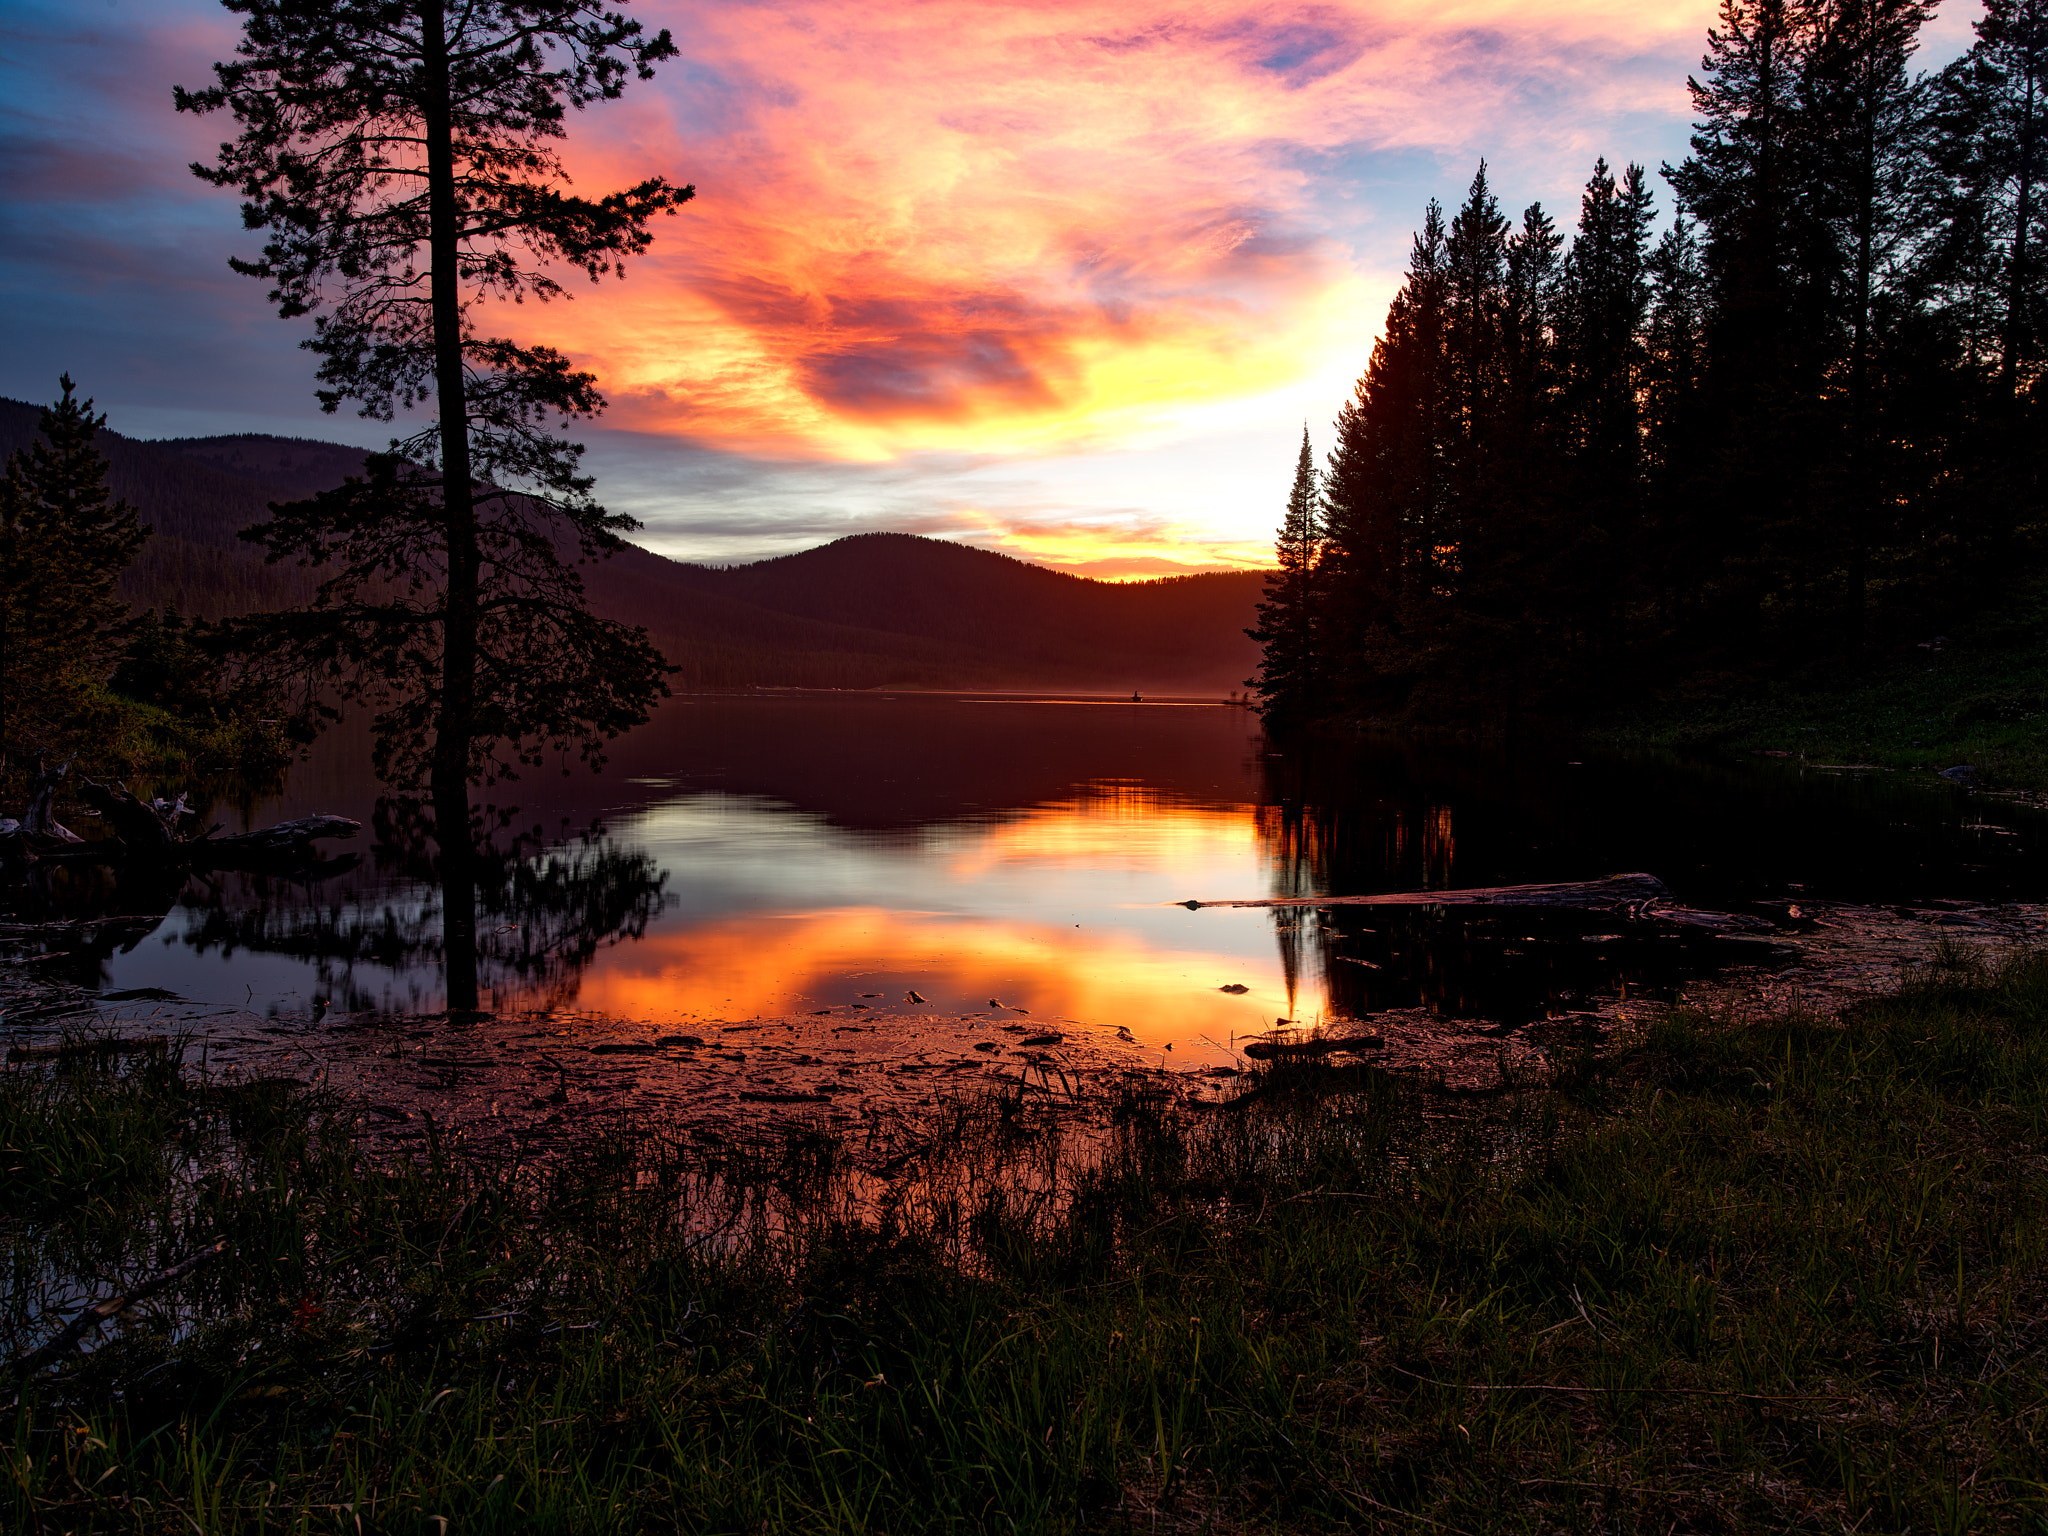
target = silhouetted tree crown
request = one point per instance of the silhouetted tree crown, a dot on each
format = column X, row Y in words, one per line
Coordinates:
column 401, row 156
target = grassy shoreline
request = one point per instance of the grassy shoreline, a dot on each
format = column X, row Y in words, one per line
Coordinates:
column 1781, row 1272
column 1977, row 698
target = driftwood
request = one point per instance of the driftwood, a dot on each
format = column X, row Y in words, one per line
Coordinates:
column 143, row 829
column 1609, row 895
column 99, row 1312
column 285, row 837
column 37, row 822
column 1626, row 899
column 148, row 831
column 80, row 1050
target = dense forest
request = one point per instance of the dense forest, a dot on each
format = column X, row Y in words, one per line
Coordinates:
column 1796, row 425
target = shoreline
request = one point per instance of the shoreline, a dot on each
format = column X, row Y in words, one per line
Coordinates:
column 537, row 1078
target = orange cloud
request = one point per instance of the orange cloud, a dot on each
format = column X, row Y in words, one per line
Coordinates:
column 1135, row 548
column 1001, row 229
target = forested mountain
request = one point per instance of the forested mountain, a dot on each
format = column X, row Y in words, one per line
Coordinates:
column 1802, row 426
column 875, row 610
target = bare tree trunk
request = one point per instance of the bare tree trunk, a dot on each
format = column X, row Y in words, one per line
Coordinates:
column 450, row 770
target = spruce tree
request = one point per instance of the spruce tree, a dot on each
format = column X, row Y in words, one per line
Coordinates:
column 1990, row 262
column 1530, row 283
column 1748, row 187
column 1741, row 179
column 1863, row 123
column 1603, row 301
column 402, row 156
column 1385, row 492
column 1489, row 511
column 1680, row 509
column 64, row 542
column 1290, row 684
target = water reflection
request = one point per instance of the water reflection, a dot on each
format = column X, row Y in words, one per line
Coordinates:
column 769, row 855
column 1056, row 909
column 1369, row 816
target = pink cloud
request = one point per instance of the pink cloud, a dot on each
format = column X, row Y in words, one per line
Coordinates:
column 990, row 227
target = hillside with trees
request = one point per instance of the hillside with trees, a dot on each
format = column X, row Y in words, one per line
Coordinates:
column 1797, row 429
column 875, row 610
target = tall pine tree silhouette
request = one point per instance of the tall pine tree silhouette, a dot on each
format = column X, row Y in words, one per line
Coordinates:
column 402, row 156
column 1386, row 492
column 1864, row 120
column 1290, row 683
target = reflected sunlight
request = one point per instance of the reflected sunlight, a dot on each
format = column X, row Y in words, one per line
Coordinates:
column 766, row 964
column 1122, row 827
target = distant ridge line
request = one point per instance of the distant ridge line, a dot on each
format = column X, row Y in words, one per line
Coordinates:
column 870, row 610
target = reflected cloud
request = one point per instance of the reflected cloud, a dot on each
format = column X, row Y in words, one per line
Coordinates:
column 789, row 962
column 1128, row 828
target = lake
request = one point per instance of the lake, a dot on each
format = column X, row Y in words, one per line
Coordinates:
column 780, row 854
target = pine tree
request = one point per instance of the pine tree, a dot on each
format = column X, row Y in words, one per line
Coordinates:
column 1603, row 302
column 1680, row 511
column 1386, row 494
column 402, row 159
column 1475, row 272
column 1490, row 514
column 1863, row 122
column 1749, row 188
column 64, row 542
column 402, row 156
column 1531, row 283
column 1289, row 683
column 1740, row 179
column 1991, row 141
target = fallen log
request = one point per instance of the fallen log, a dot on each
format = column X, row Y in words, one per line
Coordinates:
column 79, row 1050
column 1636, row 900
column 286, row 837
column 1614, row 894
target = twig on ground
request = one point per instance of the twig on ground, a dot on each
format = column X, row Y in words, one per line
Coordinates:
column 86, row 1321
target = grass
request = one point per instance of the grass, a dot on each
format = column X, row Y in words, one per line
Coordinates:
column 1785, row 1273
column 1980, row 699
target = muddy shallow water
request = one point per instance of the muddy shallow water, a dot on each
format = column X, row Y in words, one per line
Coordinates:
column 844, row 906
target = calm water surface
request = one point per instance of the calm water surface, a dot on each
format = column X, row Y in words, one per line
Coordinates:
column 781, row 853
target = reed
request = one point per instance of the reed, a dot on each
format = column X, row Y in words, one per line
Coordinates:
column 1782, row 1272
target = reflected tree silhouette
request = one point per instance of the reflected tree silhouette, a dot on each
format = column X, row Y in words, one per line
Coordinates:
column 544, row 911
column 1322, row 837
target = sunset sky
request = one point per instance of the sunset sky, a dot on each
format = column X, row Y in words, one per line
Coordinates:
column 1059, row 279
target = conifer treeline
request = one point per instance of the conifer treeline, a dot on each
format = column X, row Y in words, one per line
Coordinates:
column 1803, row 423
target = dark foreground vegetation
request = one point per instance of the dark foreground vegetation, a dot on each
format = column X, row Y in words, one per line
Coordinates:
column 1785, row 1273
